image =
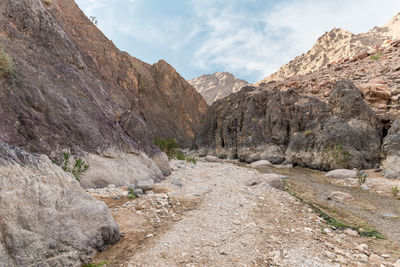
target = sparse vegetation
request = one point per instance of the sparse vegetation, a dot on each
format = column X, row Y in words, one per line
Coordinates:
column 6, row 64
column 338, row 153
column 95, row 264
column 142, row 88
column 170, row 147
column 131, row 194
column 376, row 56
column 79, row 167
column 362, row 177
column 395, row 191
column 254, row 120
column 307, row 133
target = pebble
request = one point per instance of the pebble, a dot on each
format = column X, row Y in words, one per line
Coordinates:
column 390, row 216
column 351, row 232
column 111, row 186
column 138, row 192
column 327, row 230
column 364, row 187
column 175, row 181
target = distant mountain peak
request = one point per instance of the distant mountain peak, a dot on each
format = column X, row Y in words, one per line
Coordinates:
column 335, row 45
column 216, row 86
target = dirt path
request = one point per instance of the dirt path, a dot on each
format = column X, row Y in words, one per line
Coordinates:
column 215, row 219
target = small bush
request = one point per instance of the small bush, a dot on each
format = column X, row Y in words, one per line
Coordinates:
column 376, row 56
column 180, row 156
column 95, row 264
column 362, row 177
column 191, row 160
column 131, row 194
column 6, row 64
column 169, row 146
column 77, row 169
column 339, row 154
column 395, row 191
column 307, row 133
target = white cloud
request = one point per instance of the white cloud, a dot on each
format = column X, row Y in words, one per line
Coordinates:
column 236, row 43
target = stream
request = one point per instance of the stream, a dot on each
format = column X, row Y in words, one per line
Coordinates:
column 367, row 209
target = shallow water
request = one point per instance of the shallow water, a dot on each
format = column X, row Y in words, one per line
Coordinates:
column 367, row 207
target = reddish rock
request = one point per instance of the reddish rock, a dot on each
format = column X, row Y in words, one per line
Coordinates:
column 375, row 91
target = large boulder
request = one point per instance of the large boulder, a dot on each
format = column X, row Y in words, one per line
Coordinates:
column 391, row 147
column 265, row 123
column 376, row 91
column 46, row 219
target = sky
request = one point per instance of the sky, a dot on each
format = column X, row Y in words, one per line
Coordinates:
column 249, row 38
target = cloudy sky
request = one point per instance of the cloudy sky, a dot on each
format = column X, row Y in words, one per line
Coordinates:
column 250, row 38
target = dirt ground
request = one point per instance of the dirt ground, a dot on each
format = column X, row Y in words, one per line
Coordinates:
column 215, row 219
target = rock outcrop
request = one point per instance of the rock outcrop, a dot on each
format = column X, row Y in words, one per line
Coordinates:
column 216, row 86
column 46, row 219
column 69, row 87
column 260, row 123
column 391, row 147
column 337, row 46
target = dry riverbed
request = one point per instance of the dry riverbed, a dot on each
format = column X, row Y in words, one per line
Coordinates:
column 217, row 219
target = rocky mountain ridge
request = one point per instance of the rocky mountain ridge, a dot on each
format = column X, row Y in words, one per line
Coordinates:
column 216, row 86
column 336, row 46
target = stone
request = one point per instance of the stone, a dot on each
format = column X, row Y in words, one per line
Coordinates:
column 390, row 216
column 138, row 192
column 51, row 221
column 375, row 260
column 361, row 258
column 145, row 185
column 176, row 181
column 391, row 148
column 303, row 130
column 161, row 160
column 111, row 186
column 351, row 232
column 210, row 159
column 340, row 196
column 261, row 164
column 274, row 180
column 341, row 174
column 364, row 187
column 376, row 91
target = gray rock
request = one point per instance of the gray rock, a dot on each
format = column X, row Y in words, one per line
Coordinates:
column 145, row 185
column 391, row 147
column 341, row 174
column 261, row 164
column 177, row 182
column 51, row 221
column 303, row 130
column 390, row 216
column 111, row 186
column 210, row 159
column 274, row 180
column 138, row 192
column 364, row 187
column 161, row 160
column 341, row 196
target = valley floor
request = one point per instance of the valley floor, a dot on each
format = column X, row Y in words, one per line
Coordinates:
column 216, row 219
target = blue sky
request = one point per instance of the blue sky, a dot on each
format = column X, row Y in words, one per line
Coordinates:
column 250, row 38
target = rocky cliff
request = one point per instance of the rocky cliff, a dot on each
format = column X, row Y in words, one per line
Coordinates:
column 336, row 46
column 284, row 126
column 216, row 86
column 64, row 85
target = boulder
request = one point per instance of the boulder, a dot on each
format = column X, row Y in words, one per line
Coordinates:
column 45, row 216
column 376, row 91
column 341, row 174
column 210, row 159
column 391, row 148
column 261, row 164
column 145, row 185
column 161, row 160
column 274, row 180
column 342, row 132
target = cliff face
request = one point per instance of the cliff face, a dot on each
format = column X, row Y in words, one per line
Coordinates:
column 216, row 86
column 337, row 45
column 72, row 85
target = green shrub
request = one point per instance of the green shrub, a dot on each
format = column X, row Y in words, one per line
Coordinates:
column 307, row 133
column 179, row 155
column 376, row 56
column 95, row 264
column 191, row 160
column 362, row 177
column 6, row 64
column 77, row 169
column 169, row 146
column 131, row 194
column 395, row 191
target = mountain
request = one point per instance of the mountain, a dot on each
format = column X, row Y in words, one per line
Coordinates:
column 216, row 86
column 337, row 45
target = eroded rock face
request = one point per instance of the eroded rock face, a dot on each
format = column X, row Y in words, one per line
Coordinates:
column 284, row 126
column 73, row 89
column 391, row 147
column 46, row 219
